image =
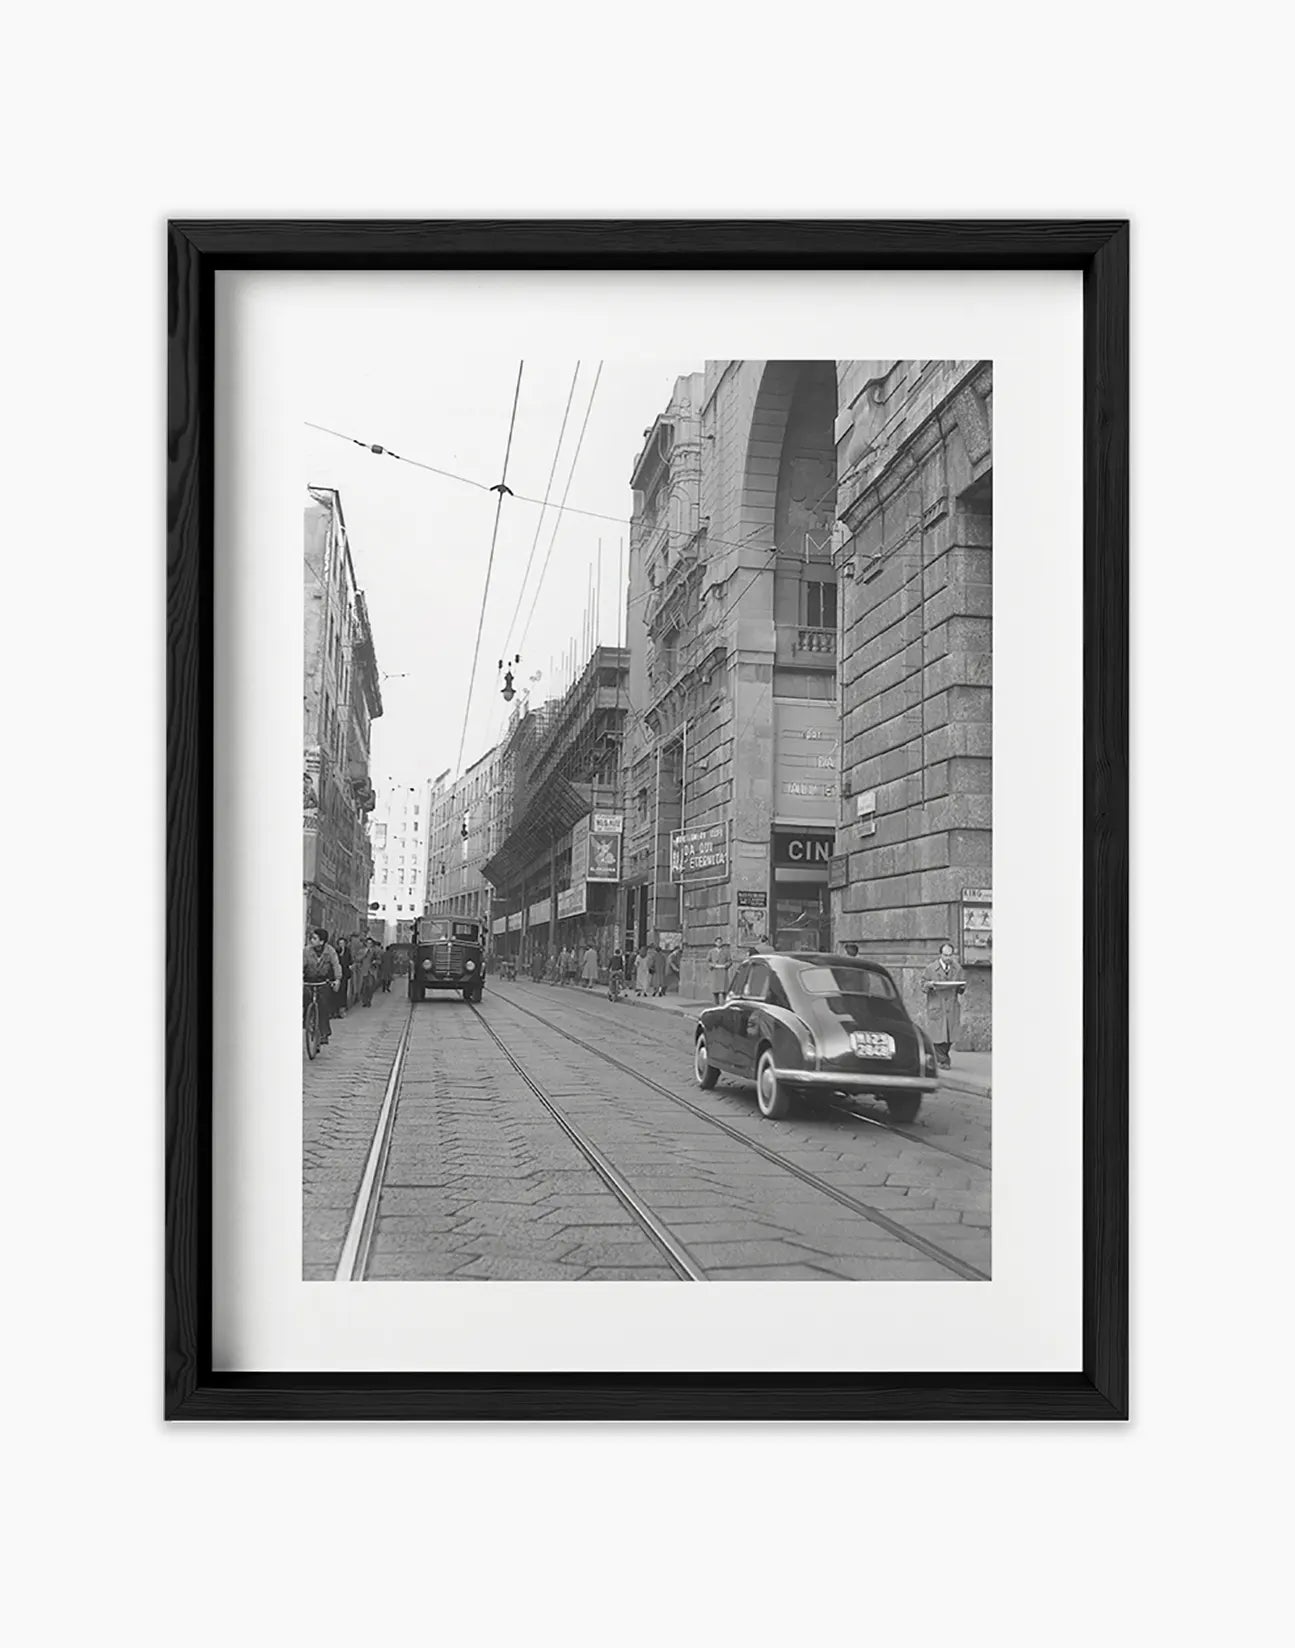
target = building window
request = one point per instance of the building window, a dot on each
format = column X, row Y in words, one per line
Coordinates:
column 820, row 604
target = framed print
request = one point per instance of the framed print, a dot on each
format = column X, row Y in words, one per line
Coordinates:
column 713, row 830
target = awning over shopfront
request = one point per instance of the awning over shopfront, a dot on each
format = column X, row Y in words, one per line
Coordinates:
column 553, row 809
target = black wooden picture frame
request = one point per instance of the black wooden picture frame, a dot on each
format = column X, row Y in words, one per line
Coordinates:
column 196, row 251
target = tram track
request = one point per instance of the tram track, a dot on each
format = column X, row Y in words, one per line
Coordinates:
column 874, row 1215
column 353, row 1262
column 357, row 1245
column 842, row 1109
column 354, row 1259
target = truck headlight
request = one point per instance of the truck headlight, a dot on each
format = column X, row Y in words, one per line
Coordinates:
column 472, row 967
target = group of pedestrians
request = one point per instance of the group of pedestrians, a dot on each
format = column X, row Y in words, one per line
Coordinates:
column 350, row 971
column 654, row 969
column 571, row 967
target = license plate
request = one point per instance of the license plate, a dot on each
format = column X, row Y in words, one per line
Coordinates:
column 872, row 1044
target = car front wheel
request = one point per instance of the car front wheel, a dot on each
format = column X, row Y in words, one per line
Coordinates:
column 771, row 1095
column 903, row 1107
column 707, row 1074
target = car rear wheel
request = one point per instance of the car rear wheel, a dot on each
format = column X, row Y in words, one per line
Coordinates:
column 903, row 1107
column 707, row 1074
column 773, row 1096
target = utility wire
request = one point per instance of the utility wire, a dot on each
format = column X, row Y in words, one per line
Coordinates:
column 503, row 491
column 575, row 459
column 386, row 452
column 563, row 508
column 539, row 523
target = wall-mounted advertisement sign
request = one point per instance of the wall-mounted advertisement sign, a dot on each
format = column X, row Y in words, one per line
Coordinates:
column 752, row 916
column 538, row 914
column 515, row 922
column 572, row 901
column 806, row 740
column 699, row 855
column 579, row 851
column 604, row 855
column 609, row 823
column 499, row 924
column 977, row 927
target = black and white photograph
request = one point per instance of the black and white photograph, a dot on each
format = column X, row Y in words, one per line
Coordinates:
column 647, row 891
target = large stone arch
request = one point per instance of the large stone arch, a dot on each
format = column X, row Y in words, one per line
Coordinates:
column 781, row 492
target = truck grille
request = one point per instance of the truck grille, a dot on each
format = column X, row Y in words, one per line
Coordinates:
column 449, row 958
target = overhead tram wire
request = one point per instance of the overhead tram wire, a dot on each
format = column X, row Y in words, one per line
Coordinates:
column 575, row 459
column 539, row 523
column 563, row 508
column 386, row 452
column 502, row 490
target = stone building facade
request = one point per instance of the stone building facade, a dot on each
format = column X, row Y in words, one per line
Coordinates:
column 731, row 754
column 341, row 697
column 399, row 831
column 914, row 554
column 467, row 828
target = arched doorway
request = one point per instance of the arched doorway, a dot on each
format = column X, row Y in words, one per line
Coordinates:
column 788, row 510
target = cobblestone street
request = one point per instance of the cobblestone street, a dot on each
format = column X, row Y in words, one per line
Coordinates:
column 481, row 1182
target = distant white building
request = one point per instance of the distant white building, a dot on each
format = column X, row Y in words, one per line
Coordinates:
column 399, row 831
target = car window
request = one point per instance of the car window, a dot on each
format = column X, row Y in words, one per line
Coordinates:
column 777, row 996
column 757, row 982
column 847, row 981
column 738, row 983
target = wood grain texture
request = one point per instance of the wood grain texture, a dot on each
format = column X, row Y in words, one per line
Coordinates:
column 196, row 251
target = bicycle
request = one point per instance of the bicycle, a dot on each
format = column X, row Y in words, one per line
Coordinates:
column 615, row 986
column 310, row 1016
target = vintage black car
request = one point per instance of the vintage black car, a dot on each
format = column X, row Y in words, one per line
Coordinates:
column 813, row 1024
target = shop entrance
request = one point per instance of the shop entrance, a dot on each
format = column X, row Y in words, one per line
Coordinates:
column 802, row 914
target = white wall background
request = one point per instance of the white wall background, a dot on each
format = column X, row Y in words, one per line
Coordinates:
column 114, row 118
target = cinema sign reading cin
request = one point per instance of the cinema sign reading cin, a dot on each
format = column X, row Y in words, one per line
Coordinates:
column 803, row 849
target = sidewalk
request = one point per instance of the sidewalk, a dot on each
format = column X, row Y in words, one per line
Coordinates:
column 971, row 1072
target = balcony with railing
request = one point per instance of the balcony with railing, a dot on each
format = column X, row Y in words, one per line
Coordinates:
column 807, row 646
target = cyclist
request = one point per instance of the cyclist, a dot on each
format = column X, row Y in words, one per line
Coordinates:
column 319, row 965
column 616, row 975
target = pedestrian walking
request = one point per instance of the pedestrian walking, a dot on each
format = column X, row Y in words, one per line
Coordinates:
column 944, row 982
column 658, row 972
column 616, row 975
column 344, row 983
column 672, row 970
column 386, row 968
column 589, row 968
column 643, row 971
column 717, row 964
column 355, row 953
column 320, row 965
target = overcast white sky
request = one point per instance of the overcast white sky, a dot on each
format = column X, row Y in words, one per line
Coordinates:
column 421, row 543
